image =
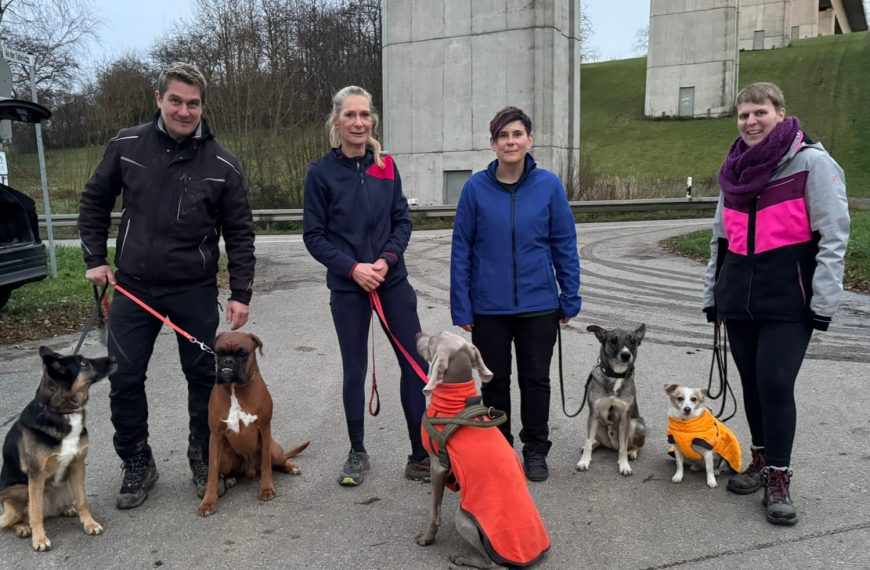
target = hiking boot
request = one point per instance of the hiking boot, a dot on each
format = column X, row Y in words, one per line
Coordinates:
column 776, row 481
column 198, row 460
column 749, row 481
column 354, row 469
column 418, row 470
column 140, row 473
column 535, row 465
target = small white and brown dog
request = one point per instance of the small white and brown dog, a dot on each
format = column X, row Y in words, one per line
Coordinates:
column 698, row 435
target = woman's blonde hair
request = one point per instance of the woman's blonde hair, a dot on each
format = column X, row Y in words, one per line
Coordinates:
column 337, row 102
column 761, row 92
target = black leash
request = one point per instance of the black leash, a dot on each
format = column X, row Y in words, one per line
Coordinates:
column 720, row 362
column 562, row 380
column 97, row 316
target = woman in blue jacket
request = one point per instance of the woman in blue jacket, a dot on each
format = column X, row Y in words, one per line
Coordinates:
column 514, row 275
column 356, row 223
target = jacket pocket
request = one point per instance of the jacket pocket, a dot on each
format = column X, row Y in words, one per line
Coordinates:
column 123, row 232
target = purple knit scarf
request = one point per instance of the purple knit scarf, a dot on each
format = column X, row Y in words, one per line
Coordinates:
column 746, row 170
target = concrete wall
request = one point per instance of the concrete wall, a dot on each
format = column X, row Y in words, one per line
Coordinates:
column 692, row 43
column 450, row 65
column 773, row 17
column 827, row 18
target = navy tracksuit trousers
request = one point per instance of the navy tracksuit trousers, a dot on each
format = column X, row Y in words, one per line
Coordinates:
column 352, row 314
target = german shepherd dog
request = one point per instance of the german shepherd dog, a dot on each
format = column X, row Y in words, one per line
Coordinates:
column 44, row 453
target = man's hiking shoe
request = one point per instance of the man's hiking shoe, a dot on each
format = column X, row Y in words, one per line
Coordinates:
column 535, row 466
column 354, row 469
column 140, row 473
column 749, row 481
column 418, row 470
column 777, row 499
column 199, row 472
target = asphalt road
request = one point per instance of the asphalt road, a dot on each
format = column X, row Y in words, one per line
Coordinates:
column 596, row 519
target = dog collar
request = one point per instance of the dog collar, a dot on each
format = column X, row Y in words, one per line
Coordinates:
column 611, row 374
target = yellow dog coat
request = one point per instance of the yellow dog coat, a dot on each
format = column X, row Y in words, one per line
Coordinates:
column 708, row 432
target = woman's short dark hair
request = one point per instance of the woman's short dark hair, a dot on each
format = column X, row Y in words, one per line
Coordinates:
column 760, row 92
column 507, row 116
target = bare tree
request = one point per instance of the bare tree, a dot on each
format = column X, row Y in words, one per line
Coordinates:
column 56, row 32
column 588, row 53
column 641, row 40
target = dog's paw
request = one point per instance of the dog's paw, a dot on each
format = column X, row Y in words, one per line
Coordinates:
column 41, row 544
column 69, row 511
column 92, row 527
column 583, row 464
column 632, row 455
column 694, row 467
column 22, row 530
column 625, row 469
column 292, row 469
column 206, row 508
column 677, row 478
column 266, row 494
column 230, row 482
column 425, row 538
column 711, row 482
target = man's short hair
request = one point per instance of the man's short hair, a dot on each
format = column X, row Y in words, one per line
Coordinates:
column 184, row 72
column 507, row 116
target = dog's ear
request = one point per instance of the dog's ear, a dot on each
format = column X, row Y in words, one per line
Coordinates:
column 437, row 367
column 704, row 394
column 477, row 362
column 670, row 388
column 257, row 342
column 639, row 332
column 600, row 333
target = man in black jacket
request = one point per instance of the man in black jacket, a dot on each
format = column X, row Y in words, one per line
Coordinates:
column 180, row 191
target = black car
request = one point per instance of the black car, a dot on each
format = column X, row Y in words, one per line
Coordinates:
column 22, row 253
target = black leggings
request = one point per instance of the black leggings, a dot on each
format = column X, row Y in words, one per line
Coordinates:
column 352, row 314
column 768, row 355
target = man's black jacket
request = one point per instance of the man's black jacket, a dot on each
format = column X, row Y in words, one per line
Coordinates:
column 177, row 200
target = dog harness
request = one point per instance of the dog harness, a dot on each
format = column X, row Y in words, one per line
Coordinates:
column 487, row 473
column 705, row 431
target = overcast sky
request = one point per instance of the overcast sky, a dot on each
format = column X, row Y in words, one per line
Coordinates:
column 136, row 24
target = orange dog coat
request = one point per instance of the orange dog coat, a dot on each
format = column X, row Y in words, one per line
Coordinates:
column 491, row 483
column 705, row 431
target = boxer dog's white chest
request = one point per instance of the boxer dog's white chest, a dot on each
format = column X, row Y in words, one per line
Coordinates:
column 237, row 414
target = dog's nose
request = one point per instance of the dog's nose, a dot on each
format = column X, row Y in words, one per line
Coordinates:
column 625, row 356
column 687, row 409
column 226, row 361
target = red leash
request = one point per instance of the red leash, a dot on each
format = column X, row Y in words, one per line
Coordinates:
column 375, row 398
column 165, row 320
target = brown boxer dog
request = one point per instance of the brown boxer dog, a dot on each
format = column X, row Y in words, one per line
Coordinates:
column 240, row 420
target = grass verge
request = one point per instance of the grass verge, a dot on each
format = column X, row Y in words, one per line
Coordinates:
column 857, row 274
column 53, row 307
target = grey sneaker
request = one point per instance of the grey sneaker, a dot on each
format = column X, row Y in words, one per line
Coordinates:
column 749, row 481
column 418, row 470
column 140, row 474
column 199, row 470
column 354, row 469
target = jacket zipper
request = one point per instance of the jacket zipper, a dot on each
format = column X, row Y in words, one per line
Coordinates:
column 801, row 282
column 368, row 224
column 124, row 244
column 514, row 247
column 750, row 253
column 202, row 243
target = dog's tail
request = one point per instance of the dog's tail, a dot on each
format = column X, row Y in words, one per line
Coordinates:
column 296, row 450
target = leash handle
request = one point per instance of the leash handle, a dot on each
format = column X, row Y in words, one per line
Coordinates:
column 95, row 314
column 375, row 397
column 720, row 363
column 204, row 347
column 562, row 381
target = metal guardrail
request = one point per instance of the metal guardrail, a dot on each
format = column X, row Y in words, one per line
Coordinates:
column 584, row 206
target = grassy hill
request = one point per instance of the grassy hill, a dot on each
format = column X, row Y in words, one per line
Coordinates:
column 826, row 82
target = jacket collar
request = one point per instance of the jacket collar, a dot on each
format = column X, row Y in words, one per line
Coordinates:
column 202, row 130
column 529, row 165
column 354, row 162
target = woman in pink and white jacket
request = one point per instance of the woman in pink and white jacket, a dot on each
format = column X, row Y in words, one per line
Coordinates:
column 775, row 274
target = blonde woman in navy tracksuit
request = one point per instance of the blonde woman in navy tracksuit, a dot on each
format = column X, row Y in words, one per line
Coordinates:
column 514, row 276
column 775, row 274
column 356, row 223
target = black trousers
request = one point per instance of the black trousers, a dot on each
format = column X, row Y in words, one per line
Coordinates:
column 533, row 338
column 352, row 314
column 132, row 332
column 768, row 355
